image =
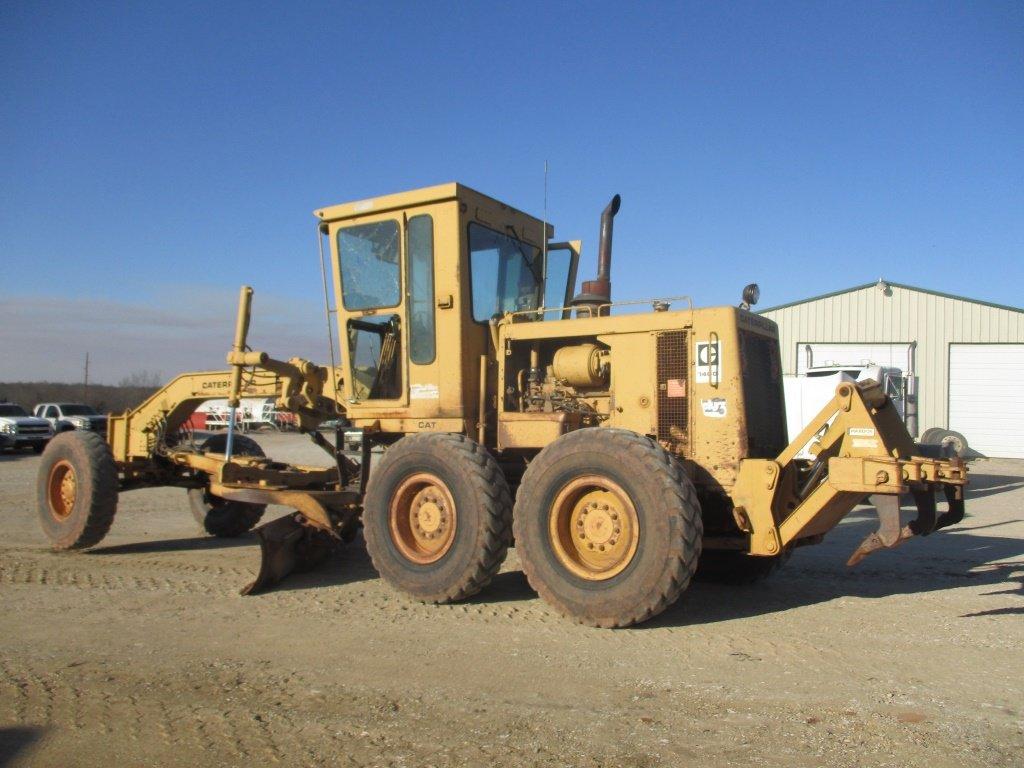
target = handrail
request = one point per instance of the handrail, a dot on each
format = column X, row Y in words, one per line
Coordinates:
column 594, row 310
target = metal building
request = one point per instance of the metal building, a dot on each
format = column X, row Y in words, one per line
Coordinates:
column 964, row 357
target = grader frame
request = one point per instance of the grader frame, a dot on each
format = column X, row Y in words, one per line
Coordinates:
column 465, row 354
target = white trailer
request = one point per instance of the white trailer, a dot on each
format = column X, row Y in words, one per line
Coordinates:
column 252, row 413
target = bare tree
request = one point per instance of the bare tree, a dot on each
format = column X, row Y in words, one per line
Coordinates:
column 147, row 379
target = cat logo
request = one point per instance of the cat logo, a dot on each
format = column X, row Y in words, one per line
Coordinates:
column 708, row 354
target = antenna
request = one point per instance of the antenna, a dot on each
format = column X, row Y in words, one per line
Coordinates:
column 544, row 243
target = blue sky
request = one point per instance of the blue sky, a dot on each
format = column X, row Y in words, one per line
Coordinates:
column 157, row 156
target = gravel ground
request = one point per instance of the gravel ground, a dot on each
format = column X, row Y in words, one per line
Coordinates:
column 142, row 652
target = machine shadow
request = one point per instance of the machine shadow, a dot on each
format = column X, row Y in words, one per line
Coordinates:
column 952, row 558
column 352, row 564
column 191, row 543
column 506, row 587
column 992, row 485
column 7, row 455
column 349, row 564
column 16, row 739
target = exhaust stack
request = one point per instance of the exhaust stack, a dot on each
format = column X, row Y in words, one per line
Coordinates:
column 596, row 292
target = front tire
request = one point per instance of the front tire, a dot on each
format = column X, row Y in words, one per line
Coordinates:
column 220, row 517
column 76, row 490
column 607, row 526
column 437, row 517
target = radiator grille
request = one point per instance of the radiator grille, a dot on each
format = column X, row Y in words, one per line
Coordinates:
column 673, row 402
column 762, row 391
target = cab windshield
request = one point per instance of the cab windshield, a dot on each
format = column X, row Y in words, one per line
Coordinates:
column 504, row 271
column 9, row 409
column 77, row 410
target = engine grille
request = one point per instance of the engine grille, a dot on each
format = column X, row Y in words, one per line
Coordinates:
column 673, row 402
column 33, row 430
column 762, row 391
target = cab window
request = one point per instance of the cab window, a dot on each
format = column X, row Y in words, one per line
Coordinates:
column 557, row 291
column 421, row 289
column 370, row 274
column 504, row 273
column 375, row 348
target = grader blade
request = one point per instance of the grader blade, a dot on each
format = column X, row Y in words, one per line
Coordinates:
column 288, row 544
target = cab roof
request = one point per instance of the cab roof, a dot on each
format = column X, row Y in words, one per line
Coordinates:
column 414, row 197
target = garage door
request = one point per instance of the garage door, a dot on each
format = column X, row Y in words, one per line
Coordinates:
column 986, row 397
column 886, row 355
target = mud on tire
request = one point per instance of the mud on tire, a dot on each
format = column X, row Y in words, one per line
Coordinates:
column 76, row 490
column 219, row 517
column 416, row 542
column 668, row 534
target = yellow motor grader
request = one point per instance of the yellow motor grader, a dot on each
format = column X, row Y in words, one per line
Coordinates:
column 618, row 450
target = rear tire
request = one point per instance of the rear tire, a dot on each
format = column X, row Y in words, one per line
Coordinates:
column 607, row 526
column 437, row 517
column 220, row 517
column 76, row 490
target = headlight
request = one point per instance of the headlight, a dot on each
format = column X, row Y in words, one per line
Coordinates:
column 751, row 294
column 79, row 421
column 8, row 428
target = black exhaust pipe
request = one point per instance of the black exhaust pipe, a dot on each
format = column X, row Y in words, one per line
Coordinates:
column 604, row 245
column 599, row 291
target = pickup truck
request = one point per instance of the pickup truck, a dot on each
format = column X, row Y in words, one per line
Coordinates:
column 19, row 430
column 66, row 416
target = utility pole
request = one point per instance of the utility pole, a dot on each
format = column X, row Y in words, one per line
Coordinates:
column 85, row 393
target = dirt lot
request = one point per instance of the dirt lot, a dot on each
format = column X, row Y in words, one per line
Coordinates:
column 141, row 652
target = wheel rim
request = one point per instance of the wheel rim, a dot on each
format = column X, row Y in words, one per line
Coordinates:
column 953, row 442
column 422, row 518
column 593, row 528
column 62, row 489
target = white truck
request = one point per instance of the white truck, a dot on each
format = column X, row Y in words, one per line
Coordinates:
column 67, row 416
column 19, row 430
column 808, row 393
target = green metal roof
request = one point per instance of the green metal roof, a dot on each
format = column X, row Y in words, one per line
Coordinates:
column 894, row 285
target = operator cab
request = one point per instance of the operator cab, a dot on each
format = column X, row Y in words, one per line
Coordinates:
column 411, row 329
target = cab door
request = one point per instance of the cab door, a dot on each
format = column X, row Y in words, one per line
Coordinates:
column 372, row 317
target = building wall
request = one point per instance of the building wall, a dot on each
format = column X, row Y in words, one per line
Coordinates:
column 899, row 315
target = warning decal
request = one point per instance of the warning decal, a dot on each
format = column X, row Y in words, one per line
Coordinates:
column 423, row 392
column 714, row 408
column 675, row 388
